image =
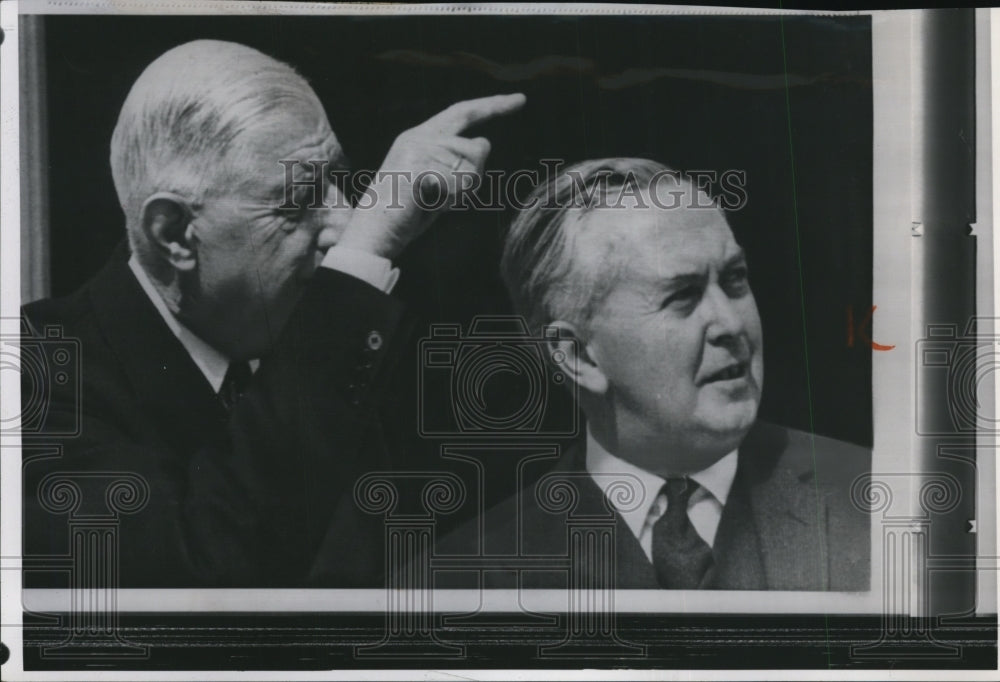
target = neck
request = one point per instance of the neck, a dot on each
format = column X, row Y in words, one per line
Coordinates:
column 217, row 330
column 665, row 455
column 184, row 305
column 170, row 294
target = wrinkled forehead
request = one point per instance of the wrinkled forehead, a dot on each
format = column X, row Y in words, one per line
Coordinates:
column 642, row 241
column 291, row 139
column 298, row 131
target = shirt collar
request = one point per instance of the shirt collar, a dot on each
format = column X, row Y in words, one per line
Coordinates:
column 603, row 467
column 212, row 363
column 718, row 478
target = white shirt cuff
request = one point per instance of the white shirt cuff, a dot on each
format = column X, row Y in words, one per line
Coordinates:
column 368, row 267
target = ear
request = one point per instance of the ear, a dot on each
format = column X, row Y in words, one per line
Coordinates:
column 166, row 220
column 569, row 353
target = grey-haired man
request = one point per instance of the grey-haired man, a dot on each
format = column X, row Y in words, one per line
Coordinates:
column 661, row 339
column 236, row 352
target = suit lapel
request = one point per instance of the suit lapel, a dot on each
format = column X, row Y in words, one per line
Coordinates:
column 632, row 568
column 772, row 535
column 166, row 382
column 738, row 558
column 789, row 515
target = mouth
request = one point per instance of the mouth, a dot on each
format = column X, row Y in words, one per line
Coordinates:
column 734, row 371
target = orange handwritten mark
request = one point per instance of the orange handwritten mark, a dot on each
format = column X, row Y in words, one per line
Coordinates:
column 862, row 330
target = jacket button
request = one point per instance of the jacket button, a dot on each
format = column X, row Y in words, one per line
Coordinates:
column 374, row 340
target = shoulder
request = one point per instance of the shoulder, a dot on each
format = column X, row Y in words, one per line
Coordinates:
column 811, row 470
column 828, row 462
column 53, row 322
column 834, row 463
column 88, row 326
column 779, row 459
column 66, row 310
column 535, row 514
column 112, row 288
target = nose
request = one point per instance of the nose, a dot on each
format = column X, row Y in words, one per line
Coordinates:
column 725, row 323
column 328, row 236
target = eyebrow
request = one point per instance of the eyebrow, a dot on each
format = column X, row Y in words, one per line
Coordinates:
column 687, row 277
column 737, row 258
column 338, row 161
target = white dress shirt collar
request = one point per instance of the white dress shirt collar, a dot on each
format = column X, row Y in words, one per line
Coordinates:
column 716, row 479
column 605, row 467
column 368, row 267
column 211, row 362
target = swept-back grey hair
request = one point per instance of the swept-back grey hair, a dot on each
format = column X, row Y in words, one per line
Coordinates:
column 179, row 128
column 546, row 275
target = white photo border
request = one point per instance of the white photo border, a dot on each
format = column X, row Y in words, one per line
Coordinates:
column 893, row 379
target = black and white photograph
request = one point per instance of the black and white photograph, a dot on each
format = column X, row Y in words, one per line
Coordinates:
column 452, row 339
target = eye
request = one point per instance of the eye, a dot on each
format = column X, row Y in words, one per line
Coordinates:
column 736, row 281
column 684, row 297
column 298, row 208
column 293, row 215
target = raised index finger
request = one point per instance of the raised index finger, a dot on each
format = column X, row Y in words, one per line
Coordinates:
column 462, row 115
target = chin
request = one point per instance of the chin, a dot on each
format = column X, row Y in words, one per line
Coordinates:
column 729, row 425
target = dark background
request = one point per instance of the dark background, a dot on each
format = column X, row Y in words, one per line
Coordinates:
column 788, row 101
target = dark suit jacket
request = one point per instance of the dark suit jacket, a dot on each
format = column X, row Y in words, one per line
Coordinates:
column 788, row 524
column 240, row 499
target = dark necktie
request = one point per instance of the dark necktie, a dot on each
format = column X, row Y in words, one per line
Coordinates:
column 235, row 384
column 681, row 557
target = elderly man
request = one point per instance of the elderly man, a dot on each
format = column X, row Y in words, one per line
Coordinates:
column 660, row 337
column 234, row 361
